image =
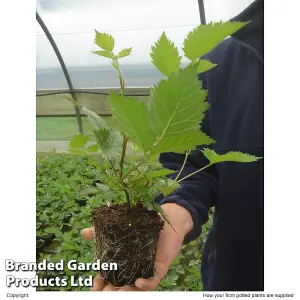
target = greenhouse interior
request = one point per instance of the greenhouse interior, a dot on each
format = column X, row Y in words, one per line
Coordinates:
column 76, row 74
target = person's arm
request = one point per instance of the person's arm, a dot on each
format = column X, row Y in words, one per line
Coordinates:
column 197, row 193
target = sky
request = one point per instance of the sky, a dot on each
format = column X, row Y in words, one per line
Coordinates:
column 133, row 23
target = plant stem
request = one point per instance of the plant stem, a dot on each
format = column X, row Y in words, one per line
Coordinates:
column 136, row 178
column 194, row 173
column 112, row 166
column 72, row 101
column 127, row 197
column 133, row 159
column 121, row 82
column 131, row 170
column 121, row 77
column 183, row 165
column 125, row 140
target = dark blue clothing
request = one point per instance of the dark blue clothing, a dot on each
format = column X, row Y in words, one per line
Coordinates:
column 233, row 256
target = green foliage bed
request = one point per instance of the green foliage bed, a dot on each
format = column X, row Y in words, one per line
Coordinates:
column 62, row 212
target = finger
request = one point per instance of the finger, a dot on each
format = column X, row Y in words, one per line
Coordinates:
column 88, row 233
column 98, row 283
column 128, row 289
column 152, row 283
column 147, row 284
column 110, row 288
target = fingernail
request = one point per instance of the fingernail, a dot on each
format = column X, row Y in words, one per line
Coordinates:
column 139, row 285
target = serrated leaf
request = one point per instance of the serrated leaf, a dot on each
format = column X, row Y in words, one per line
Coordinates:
column 177, row 104
column 89, row 191
column 96, row 121
column 141, row 190
column 109, row 141
column 160, row 173
column 184, row 141
column 165, row 56
column 92, row 148
column 124, row 52
column 103, row 187
column 161, row 211
column 104, row 41
column 190, row 251
column 132, row 116
column 104, row 53
column 51, row 230
column 204, row 65
column 169, row 280
column 168, row 187
column 234, row 156
column 204, row 38
column 78, row 141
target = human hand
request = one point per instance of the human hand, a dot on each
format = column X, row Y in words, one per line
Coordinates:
column 167, row 249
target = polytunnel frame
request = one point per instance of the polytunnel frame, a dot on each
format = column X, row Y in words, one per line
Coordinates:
column 71, row 89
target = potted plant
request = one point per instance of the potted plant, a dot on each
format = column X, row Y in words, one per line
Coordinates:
column 127, row 231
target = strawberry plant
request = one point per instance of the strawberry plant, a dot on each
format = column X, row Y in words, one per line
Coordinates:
column 127, row 230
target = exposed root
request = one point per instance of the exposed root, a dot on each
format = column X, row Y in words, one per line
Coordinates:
column 128, row 237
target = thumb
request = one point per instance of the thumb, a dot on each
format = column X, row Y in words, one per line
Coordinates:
column 147, row 284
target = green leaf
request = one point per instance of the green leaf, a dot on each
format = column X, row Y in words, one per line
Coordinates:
column 92, row 148
column 161, row 211
column 177, row 104
column 149, row 205
column 234, row 156
column 205, row 65
column 103, row 187
column 104, row 54
column 124, row 52
column 204, row 38
column 132, row 116
column 184, row 141
column 78, row 141
column 96, row 121
column 160, row 173
column 109, row 141
column 77, row 151
column 70, row 99
column 168, row 187
column 169, row 280
column 104, row 41
column 165, row 56
column 141, row 190
column 89, row 191
column 51, row 230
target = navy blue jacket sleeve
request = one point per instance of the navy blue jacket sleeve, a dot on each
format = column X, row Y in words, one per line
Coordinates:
column 197, row 193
